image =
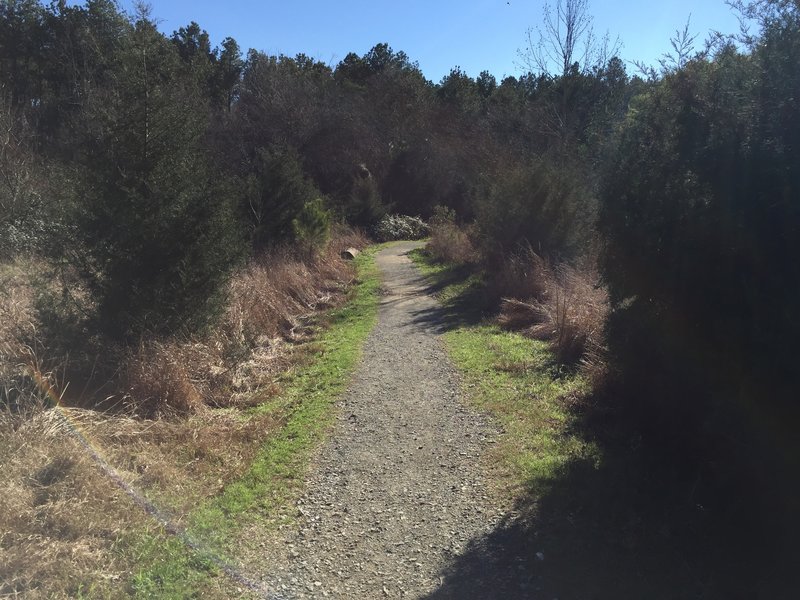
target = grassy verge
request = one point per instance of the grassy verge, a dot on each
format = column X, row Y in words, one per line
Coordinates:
column 177, row 567
column 516, row 380
column 513, row 378
column 451, row 283
column 575, row 483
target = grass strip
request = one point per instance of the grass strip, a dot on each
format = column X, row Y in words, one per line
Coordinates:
column 517, row 381
column 178, row 568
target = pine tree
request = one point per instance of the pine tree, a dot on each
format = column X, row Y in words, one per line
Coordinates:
column 158, row 230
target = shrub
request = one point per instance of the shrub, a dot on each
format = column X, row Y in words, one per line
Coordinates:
column 30, row 203
column 450, row 242
column 364, row 207
column 157, row 382
column 401, row 227
column 700, row 214
column 312, row 226
column 279, row 195
column 270, row 304
column 544, row 205
column 560, row 304
column 521, row 274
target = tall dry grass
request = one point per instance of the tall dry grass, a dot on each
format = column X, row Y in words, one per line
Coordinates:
column 63, row 517
column 563, row 305
column 54, row 538
column 272, row 302
column 452, row 244
column 17, row 333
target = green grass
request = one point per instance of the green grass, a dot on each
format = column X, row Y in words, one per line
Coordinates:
column 513, row 378
column 174, row 567
column 450, row 282
column 516, row 380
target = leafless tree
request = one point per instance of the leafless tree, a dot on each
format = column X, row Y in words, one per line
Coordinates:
column 565, row 38
column 683, row 50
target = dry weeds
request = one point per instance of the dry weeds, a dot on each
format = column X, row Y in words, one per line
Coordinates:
column 452, row 244
column 272, row 303
column 63, row 515
column 562, row 305
column 17, row 324
column 60, row 518
column 63, row 518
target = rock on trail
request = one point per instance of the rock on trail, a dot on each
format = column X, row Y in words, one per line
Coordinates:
column 397, row 491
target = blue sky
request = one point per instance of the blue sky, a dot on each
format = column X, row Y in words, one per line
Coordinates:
column 439, row 34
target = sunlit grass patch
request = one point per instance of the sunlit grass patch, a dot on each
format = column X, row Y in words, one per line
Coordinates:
column 511, row 377
column 458, row 287
column 516, row 380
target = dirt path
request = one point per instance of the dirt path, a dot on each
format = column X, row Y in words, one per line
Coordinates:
column 397, row 492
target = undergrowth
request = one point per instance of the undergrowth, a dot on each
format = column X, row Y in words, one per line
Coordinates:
column 517, row 380
column 79, row 482
column 277, row 470
column 583, row 496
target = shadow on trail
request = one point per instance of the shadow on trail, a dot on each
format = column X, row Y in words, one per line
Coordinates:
column 468, row 308
column 589, row 537
column 565, row 543
column 617, row 532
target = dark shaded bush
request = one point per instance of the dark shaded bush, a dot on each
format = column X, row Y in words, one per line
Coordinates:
column 544, row 204
column 277, row 195
column 701, row 218
column 157, row 231
column 364, row 207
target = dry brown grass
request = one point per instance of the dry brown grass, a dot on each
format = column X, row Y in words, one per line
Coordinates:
column 272, row 303
column 55, row 536
column 560, row 304
column 62, row 517
column 17, row 334
column 523, row 275
column 451, row 244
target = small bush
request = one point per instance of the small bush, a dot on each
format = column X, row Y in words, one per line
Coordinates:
column 158, row 382
column 559, row 304
column 522, row 274
column 365, row 207
column 279, row 194
column 450, row 243
column 401, row 227
column 18, row 330
column 312, row 227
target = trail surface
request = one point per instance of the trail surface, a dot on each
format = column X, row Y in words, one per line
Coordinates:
column 397, row 493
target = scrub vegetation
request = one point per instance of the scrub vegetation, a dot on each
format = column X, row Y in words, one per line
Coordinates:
column 173, row 218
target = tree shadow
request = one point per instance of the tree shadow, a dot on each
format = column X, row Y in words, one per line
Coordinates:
column 618, row 531
column 634, row 526
column 470, row 307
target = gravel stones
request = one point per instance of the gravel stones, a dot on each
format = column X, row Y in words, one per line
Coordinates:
column 397, row 492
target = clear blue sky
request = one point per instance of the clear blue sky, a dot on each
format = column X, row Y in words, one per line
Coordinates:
column 439, row 34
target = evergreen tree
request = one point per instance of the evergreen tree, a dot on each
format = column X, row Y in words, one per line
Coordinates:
column 158, row 231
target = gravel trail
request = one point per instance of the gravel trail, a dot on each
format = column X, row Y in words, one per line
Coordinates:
column 397, row 492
